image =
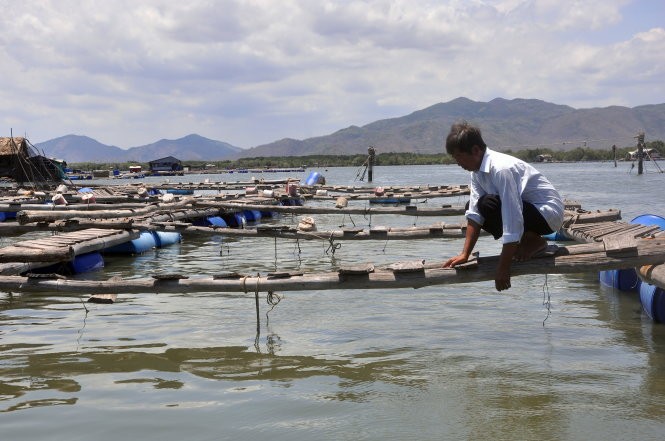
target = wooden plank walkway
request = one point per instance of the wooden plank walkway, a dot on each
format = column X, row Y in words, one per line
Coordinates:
column 570, row 259
column 64, row 247
column 409, row 210
column 388, row 189
column 398, row 194
column 437, row 230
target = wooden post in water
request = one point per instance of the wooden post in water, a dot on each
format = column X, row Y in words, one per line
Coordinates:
column 640, row 152
column 614, row 154
column 370, row 162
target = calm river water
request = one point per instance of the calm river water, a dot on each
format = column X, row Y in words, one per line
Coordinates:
column 445, row 362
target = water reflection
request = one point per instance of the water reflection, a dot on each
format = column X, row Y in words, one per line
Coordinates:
column 30, row 379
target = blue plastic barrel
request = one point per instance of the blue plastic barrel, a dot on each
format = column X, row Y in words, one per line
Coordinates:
column 210, row 221
column 6, row 215
column 313, row 178
column 86, row 262
column 235, row 220
column 557, row 236
column 213, row 221
column 652, row 299
column 650, row 219
column 143, row 243
column 622, row 279
column 252, row 215
column 79, row 264
column 166, row 238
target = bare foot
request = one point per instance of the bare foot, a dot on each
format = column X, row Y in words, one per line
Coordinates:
column 530, row 245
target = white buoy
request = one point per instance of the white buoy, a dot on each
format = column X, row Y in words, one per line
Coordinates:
column 59, row 199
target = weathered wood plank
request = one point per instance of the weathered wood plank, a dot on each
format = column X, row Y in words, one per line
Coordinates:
column 36, row 254
column 620, row 243
column 572, row 217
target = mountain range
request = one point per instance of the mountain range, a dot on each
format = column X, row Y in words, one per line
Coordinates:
column 506, row 124
column 75, row 148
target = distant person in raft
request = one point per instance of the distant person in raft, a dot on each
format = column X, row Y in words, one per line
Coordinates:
column 509, row 199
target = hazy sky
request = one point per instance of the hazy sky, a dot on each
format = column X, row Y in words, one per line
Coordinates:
column 130, row 72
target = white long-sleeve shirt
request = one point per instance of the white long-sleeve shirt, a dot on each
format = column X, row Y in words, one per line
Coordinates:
column 513, row 180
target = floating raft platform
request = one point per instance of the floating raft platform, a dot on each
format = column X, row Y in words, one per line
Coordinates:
column 615, row 230
column 560, row 260
column 64, row 247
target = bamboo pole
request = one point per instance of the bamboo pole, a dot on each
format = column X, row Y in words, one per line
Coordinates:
column 640, row 152
column 371, row 156
column 567, row 260
column 113, row 199
column 24, row 217
column 11, row 207
column 15, row 268
column 426, row 194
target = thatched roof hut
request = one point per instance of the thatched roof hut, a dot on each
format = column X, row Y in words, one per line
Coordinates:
column 19, row 162
column 13, row 146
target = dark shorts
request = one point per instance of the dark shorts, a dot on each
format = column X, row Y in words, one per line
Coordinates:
column 489, row 206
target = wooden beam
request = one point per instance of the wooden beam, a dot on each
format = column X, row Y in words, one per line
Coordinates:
column 402, row 210
column 653, row 275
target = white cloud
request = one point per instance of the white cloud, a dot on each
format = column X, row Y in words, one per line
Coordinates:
column 250, row 72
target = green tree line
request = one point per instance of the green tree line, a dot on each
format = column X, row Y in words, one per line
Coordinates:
column 529, row 155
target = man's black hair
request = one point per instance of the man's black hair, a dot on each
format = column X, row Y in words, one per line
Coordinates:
column 462, row 137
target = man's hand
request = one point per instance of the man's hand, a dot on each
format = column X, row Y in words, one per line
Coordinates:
column 457, row 260
column 502, row 275
column 502, row 279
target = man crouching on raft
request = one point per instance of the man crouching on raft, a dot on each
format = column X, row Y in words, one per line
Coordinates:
column 509, row 199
